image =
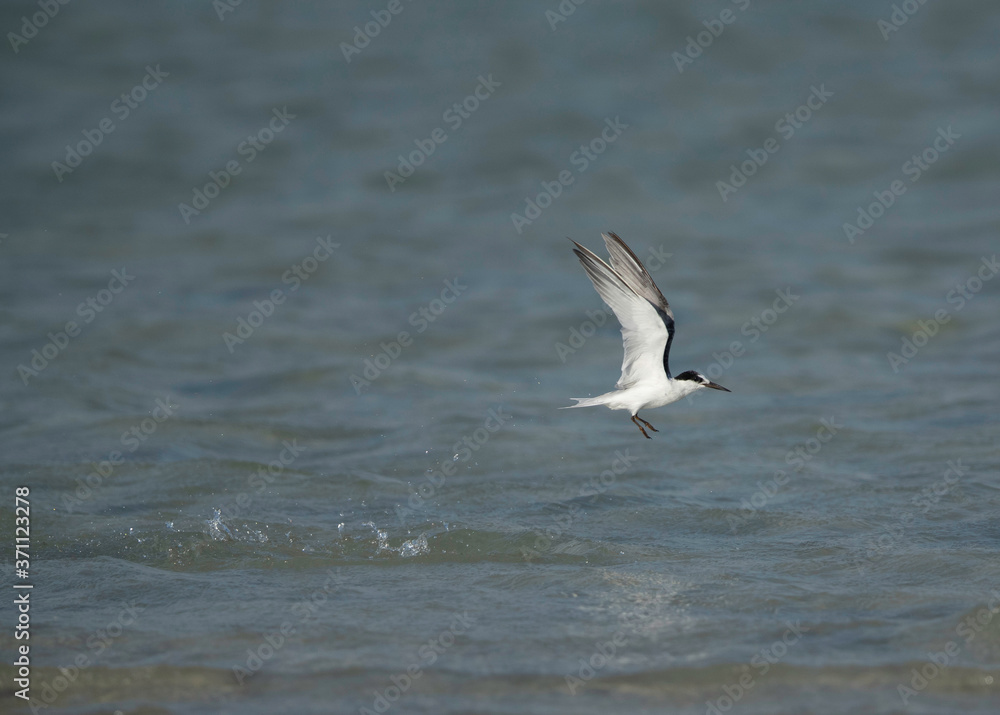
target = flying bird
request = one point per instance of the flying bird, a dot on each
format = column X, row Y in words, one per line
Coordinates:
column 647, row 331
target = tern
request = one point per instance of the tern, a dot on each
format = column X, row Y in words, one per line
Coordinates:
column 647, row 331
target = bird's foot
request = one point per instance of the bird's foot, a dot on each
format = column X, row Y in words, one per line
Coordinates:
column 647, row 424
column 640, row 426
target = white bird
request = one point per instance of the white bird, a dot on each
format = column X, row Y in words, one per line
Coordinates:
column 647, row 331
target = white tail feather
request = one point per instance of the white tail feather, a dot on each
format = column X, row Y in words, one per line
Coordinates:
column 588, row 401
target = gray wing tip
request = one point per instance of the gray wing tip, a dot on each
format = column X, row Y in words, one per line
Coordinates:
column 613, row 238
column 614, row 243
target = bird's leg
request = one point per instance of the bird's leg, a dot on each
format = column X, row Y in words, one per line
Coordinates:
column 647, row 424
column 640, row 427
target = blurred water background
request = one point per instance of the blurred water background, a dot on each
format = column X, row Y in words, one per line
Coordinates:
column 252, row 493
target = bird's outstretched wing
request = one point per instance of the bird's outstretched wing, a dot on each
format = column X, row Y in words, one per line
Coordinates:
column 646, row 320
column 630, row 268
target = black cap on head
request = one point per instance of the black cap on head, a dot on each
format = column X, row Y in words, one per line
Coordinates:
column 700, row 379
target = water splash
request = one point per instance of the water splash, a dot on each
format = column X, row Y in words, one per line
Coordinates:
column 381, row 535
column 414, row 547
column 216, row 529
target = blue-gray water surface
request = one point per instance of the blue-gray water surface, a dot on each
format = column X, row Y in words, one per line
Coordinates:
column 288, row 312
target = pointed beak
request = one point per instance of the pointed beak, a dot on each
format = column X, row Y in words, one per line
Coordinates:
column 717, row 386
